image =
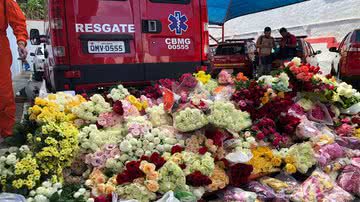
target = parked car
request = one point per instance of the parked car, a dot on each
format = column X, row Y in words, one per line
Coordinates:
column 38, row 63
column 92, row 44
column 234, row 56
column 346, row 64
column 304, row 50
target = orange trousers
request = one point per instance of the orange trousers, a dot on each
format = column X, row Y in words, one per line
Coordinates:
column 7, row 101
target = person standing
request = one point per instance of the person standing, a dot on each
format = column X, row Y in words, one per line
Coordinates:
column 10, row 14
column 287, row 45
column 265, row 43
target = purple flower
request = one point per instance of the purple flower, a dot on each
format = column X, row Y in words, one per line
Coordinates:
column 97, row 162
column 88, row 158
column 99, row 154
column 135, row 131
column 110, row 147
column 242, row 103
column 114, row 152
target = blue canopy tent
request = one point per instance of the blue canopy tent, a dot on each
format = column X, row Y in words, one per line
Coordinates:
column 221, row 11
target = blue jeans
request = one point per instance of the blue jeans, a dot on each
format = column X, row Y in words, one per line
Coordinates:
column 265, row 65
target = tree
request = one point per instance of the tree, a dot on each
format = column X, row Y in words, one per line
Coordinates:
column 34, row 9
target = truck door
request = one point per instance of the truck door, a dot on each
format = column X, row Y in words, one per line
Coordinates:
column 102, row 35
column 171, row 33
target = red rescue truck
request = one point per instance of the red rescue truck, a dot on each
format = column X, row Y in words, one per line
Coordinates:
column 92, row 43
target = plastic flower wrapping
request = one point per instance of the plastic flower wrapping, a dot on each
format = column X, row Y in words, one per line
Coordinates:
column 291, row 136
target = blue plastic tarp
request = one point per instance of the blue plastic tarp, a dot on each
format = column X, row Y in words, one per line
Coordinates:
column 221, row 11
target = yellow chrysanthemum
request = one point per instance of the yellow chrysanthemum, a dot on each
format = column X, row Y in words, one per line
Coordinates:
column 290, row 168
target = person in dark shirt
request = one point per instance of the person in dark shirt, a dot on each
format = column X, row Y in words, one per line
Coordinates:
column 287, row 45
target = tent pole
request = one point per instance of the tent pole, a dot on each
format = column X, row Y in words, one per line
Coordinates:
column 222, row 33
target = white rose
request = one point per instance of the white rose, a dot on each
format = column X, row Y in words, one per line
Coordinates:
column 2, row 159
column 40, row 190
column 82, row 190
column 41, row 198
column 32, row 193
column 13, row 149
column 77, row 195
column 160, row 148
column 46, row 184
column 125, row 146
column 348, row 93
column 149, row 137
column 57, row 185
column 296, row 61
column 60, row 191
column 24, row 148
column 11, row 159
column 90, row 200
column 139, row 152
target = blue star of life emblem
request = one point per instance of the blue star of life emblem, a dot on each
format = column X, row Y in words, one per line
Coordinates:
column 178, row 22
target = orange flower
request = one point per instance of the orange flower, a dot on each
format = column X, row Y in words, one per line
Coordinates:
column 281, row 94
column 147, row 167
column 101, row 188
column 109, row 189
column 152, row 185
column 218, row 89
column 240, row 77
column 265, row 99
column 152, row 176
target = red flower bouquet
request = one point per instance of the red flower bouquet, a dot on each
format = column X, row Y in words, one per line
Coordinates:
column 176, row 149
column 239, row 174
column 107, row 198
column 197, row 179
column 131, row 173
column 118, row 108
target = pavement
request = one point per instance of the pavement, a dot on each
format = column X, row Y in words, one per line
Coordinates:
column 24, row 87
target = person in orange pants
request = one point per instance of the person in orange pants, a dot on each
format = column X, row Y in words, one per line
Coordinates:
column 10, row 14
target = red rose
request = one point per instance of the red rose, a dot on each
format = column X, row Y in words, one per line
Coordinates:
column 182, row 166
column 133, row 168
column 217, row 136
column 118, row 108
column 145, row 158
column 197, row 179
column 156, row 159
column 123, row 178
column 203, row 150
column 239, row 174
column 102, row 199
column 176, row 149
column 99, row 126
column 260, row 136
column 355, row 120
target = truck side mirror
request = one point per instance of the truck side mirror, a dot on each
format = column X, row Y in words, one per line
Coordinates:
column 333, row 49
column 35, row 37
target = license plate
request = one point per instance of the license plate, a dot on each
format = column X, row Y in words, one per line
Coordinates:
column 106, row 47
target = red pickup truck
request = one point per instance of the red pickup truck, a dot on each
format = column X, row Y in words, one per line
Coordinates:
column 234, row 55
